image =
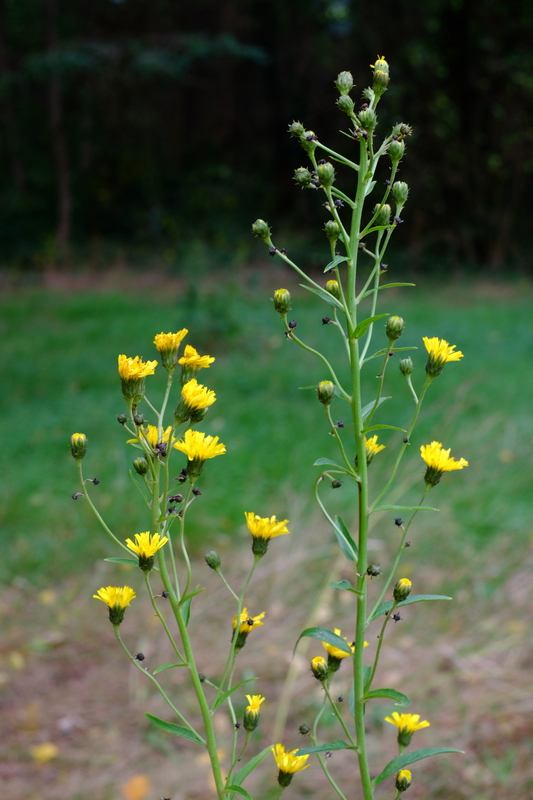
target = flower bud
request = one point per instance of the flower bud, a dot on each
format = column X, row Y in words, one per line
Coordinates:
column 212, row 559
column 394, row 328
column 140, row 465
column 336, row 484
column 252, row 711
column 319, row 668
column 304, row 729
column 326, row 392
column 406, row 367
column 344, row 82
column 400, row 192
column 368, row 119
column 383, row 217
column 309, row 142
column 78, row 445
column 402, row 590
column 332, row 230
column 346, row 104
column 326, row 174
column 296, row 129
column 403, row 780
column 401, row 130
column 122, row 419
column 333, row 288
column 302, row 177
column 282, row 301
column 373, row 570
column 396, row 151
column 261, row 230
column 381, row 75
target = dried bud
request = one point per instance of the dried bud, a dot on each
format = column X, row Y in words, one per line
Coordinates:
column 396, row 151
column 261, row 230
column 303, row 177
column 401, row 130
column 326, row 174
column 336, row 484
column 332, row 230
column 373, row 570
column 406, row 367
column 326, row 392
column 344, row 82
column 402, row 590
column 304, row 729
column 212, row 559
column 140, row 465
column 394, row 328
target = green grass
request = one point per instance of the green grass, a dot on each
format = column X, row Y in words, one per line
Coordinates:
column 59, row 356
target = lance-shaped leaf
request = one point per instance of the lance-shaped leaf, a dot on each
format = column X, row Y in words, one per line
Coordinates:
column 167, row 666
column 363, row 326
column 222, row 697
column 399, row 698
column 320, row 462
column 399, row 763
column 336, row 261
column 133, row 562
column 238, row 790
column 368, row 408
column 338, row 744
column 387, row 286
column 346, row 543
column 325, row 635
column 405, row 508
column 177, row 730
column 250, row 766
column 329, row 299
column 379, row 427
column 384, row 608
column 343, row 585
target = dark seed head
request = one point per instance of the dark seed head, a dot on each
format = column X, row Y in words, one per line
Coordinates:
column 196, row 491
column 398, row 521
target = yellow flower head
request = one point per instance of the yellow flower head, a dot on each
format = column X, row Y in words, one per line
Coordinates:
column 198, row 447
column 194, row 398
column 373, row 448
column 402, row 589
column 135, row 368
column 439, row 353
column 319, row 668
column 191, row 358
column 116, row 598
column 334, row 652
column 251, row 714
column 168, row 345
column 407, row 724
column 403, row 780
column 150, row 434
column 247, row 624
column 438, row 461
column 146, row 546
column 263, row 529
column 254, row 702
column 288, row 763
column 381, row 75
column 78, row 445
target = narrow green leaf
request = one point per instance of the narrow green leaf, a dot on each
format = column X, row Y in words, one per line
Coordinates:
column 378, row 427
column 400, row 762
column 230, row 691
column 363, row 326
column 325, row 461
column 369, row 188
column 368, row 408
column 367, row 671
column 384, row 608
column 387, row 286
column 341, row 585
column 399, row 698
column 177, row 730
column 336, row 261
column 404, row 508
column 346, row 543
column 186, row 610
column 167, row 666
column 250, row 766
column 338, row 744
column 391, row 350
column 190, row 596
column 130, row 561
column 375, row 228
column 238, row 790
column 325, row 635
column 326, row 296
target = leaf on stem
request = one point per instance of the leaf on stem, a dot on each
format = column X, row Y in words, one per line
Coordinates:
column 336, row 261
column 167, row 666
column 190, row 596
column 325, row 635
column 404, row 508
column 322, row 461
column 363, row 326
column 370, row 406
column 338, row 744
column 399, row 698
column 250, row 766
column 177, row 730
column 330, row 300
column 409, row 758
column 367, row 671
column 369, row 188
column 387, row 286
column 384, row 608
column 238, row 790
column 346, row 543
column 343, row 585
column 378, row 427
column 131, row 561
column 222, row 697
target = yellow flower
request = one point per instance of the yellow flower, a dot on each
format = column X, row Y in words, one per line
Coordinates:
column 381, row 75
column 135, row 368
column 319, row 668
column 194, row 398
column 116, row 598
column 372, row 447
column 439, row 353
column 146, row 546
column 407, row 724
column 168, row 345
column 263, row 529
column 402, row 589
column 191, row 358
column 198, row 447
column 380, row 60
column 254, row 701
column 248, row 623
column 78, row 445
column 251, row 715
column 438, row 461
column 403, row 780
column 150, row 434
column 288, row 763
column 334, row 651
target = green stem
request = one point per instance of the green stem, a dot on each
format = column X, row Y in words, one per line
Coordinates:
column 321, row 760
column 321, row 357
column 237, row 758
column 378, row 649
column 224, row 581
column 339, row 717
column 386, row 360
column 334, row 431
column 161, row 617
column 338, row 157
column 161, row 414
column 95, row 511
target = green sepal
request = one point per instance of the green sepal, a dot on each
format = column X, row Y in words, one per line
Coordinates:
column 250, row 766
column 384, row 608
column 409, row 758
column 238, row 790
column 325, row 635
column 336, row 261
column 131, row 561
column 222, row 697
column 379, row 427
column 346, row 543
column 177, row 730
column 338, row 744
column 387, row 286
column 167, row 666
column 404, row 508
column 369, row 407
column 330, row 300
column 363, row 326
column 399, row 698
column 344, row 585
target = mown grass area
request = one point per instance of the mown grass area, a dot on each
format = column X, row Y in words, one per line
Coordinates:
column 59, row 354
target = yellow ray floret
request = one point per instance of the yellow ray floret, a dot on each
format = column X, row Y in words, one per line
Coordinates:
column 191, row 358
column 196, row 396
column 254, row 702
column 287, row 762
column 334, row 651
column 135, row 368
column 146, row 545
column 170, row 341
column 199, row 446
column 248, row 623
column 441, row 350
column 439, row 460
column 112, row 596
column 151, row 435
column 372, row 446
column 263, row 527
column 407, row 723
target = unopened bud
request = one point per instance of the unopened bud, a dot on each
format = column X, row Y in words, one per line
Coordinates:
column 406, row 367
column 326, row 392
column 396, row 151
column 261, row 230
column 319, row 668
column 336, row 484
column 373, row 570
column 140, row 465
column 401, row 130
column 333, row 288
column 326, row 174
column 212, row 559
column 309, row 142
column 302, row 177
column 344, row 82
column 400, row 192
column 282, row 301
column 383, row 217
column 138, row 419
column 381, row 75
column 403, row 780
column 78, row 445
column 296, row 129
column 332, row 230
column 304, row 729
column 402, row 590
column 394, row 328
column 122, row 419
column 346, row 104
column 368, row 119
